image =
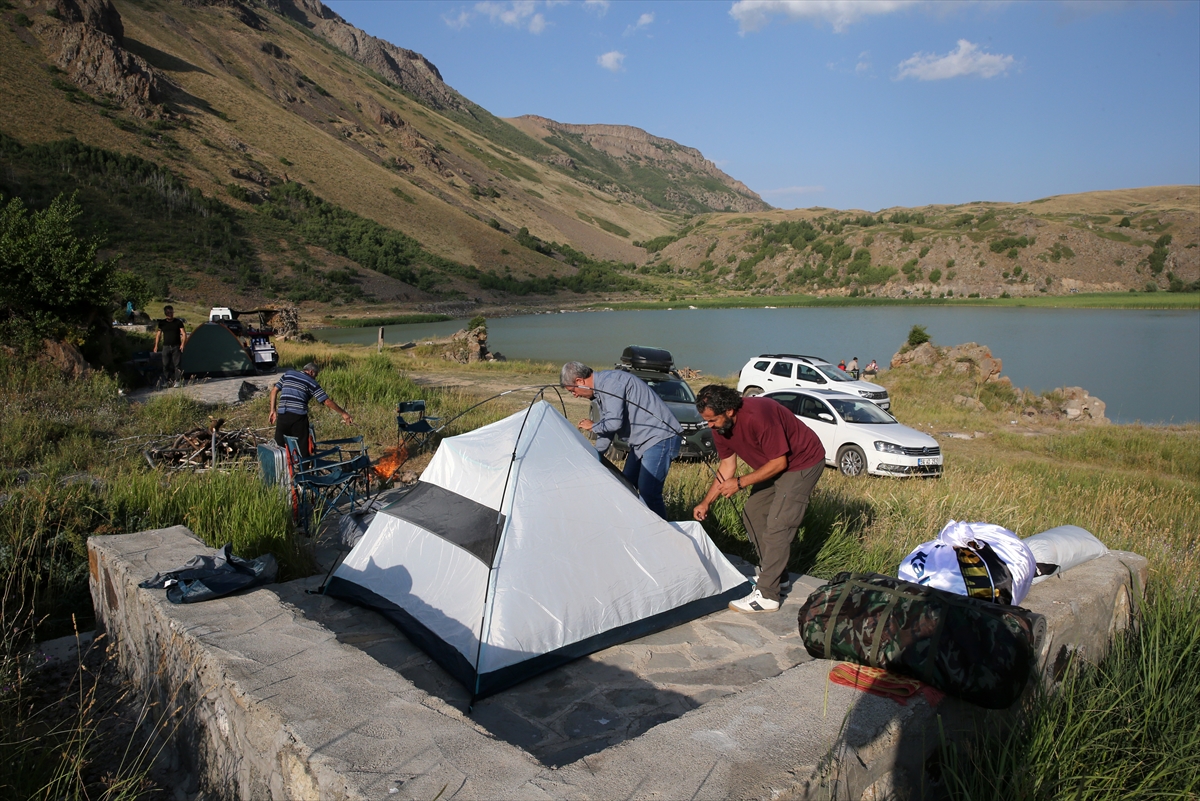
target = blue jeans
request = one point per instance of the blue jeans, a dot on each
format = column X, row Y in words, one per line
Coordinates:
column 648, row 472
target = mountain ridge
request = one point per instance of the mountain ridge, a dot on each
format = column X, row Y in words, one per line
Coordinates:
column 248, row 102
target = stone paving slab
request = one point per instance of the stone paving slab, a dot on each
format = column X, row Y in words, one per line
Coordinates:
column 281, row 694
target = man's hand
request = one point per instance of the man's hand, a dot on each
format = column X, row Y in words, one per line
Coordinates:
column 701, row 511
column 271, row 417
column 729, row 487
column 584, row 425
column 347, row 419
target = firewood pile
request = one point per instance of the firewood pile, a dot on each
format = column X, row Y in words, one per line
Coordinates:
column 195, row 448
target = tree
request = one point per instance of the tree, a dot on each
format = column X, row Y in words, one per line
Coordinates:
column 917, row 335
column 52, row 286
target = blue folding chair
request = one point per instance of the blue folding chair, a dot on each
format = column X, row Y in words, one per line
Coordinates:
column 412, row 424
column 326, row 479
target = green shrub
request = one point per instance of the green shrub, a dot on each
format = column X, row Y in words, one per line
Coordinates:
column 907, row 236
column 1124, row 223
column 52, row 284
column 917, row 335
column 935, row 275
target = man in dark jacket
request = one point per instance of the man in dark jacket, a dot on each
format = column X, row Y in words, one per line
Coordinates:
column 786, row 459
column 173, row 337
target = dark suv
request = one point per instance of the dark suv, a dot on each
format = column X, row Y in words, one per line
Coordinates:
column 656, row 367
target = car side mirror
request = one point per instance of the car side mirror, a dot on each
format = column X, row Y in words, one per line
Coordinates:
column 826, row 416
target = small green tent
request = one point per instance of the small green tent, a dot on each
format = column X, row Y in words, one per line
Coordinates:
column 213, row 351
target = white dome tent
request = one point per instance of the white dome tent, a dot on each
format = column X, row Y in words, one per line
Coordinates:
column 518, row 551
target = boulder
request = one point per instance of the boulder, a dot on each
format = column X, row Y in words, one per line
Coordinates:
column 969, row 403
column 924, row 355
column 65, row 357
column 1078, row 405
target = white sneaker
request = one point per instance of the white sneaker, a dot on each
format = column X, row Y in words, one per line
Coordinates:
column 754, row 602
column 785, row 584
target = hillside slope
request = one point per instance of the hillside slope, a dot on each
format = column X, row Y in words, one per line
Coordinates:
column 237, row 99
column 1116, row 241
column 244, row 150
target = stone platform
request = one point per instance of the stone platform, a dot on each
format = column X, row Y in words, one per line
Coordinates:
column 284, row 694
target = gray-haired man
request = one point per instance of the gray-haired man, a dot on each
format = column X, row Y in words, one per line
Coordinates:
column 633, row 411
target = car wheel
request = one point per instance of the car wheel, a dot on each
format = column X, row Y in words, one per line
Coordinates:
column 852, row 461
column 750, row 392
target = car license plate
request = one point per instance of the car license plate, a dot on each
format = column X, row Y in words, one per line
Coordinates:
column 929, row 460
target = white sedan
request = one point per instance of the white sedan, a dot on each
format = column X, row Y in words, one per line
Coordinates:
column 859, row 437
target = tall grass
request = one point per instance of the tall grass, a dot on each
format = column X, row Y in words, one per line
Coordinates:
column 1126, row 728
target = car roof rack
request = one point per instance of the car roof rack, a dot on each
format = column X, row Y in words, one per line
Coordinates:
column 801, row 357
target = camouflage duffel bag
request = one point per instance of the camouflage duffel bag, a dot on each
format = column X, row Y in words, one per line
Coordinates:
column 969, row 648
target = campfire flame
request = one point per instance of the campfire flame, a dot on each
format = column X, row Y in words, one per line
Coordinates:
column 390, row 462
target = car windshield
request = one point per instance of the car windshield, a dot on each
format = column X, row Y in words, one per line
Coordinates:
column 673, row 391
column 860, row 411
column 833, row 373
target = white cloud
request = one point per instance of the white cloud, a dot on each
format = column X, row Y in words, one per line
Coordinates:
column 612, row 60
column 753, row 15
column 864, row 63
column 967, row 59
column 792, row 190
column 517, row 13
column 599, row 7
column 458, row 22
column 644, row 21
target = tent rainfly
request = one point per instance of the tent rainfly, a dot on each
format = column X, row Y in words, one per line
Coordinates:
column 212, row 350
column 518, row 551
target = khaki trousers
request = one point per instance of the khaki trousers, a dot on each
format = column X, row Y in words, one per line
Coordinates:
column 772, row 515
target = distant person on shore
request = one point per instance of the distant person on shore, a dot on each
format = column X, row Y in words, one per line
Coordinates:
column 786, row 459
column 172, row 336
column 631, row 410
column 294, row 390
column 852, row 368
column 842, row 364
column 872, row 369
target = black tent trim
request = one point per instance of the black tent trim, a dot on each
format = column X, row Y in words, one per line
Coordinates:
column 491, row 683
column 455, row 518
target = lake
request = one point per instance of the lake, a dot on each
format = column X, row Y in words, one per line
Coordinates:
column 1144, row 364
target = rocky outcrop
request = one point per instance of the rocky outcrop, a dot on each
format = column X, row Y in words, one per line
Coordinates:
column 407, row 69
column 977, row 364
column 468, row 347
column 633, row 146
column 85, row 42
column 64, row 357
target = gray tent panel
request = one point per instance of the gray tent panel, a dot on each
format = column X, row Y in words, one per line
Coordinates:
column 466, row 523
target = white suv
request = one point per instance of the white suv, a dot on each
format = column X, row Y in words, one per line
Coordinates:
column 773, row 371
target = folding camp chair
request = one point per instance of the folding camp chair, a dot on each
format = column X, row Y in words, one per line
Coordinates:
column 420, row 429
column 326, row 480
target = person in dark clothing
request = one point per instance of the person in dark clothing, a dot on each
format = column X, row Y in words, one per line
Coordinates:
column 786, row 459
column 172, row 336
column 293, row 391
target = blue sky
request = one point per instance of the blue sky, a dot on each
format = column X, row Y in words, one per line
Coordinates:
column 845, row 103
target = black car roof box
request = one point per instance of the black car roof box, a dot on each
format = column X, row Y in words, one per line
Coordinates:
column 641, row 357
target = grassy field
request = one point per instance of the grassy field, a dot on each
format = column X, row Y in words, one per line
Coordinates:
column 1104, row 300
column 1125, row 728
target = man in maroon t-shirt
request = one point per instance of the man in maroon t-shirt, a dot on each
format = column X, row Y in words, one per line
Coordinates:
column 786, row 459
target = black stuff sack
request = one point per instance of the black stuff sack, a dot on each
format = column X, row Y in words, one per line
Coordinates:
column 976, row 650
column 206, row 577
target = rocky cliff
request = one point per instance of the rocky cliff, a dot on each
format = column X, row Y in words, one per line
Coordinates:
column 697, row 181
column 84, row 39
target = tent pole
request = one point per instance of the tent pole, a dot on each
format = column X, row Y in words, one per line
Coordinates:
column 492, row 568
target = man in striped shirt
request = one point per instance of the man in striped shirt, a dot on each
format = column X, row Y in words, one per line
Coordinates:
column 293, row 391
